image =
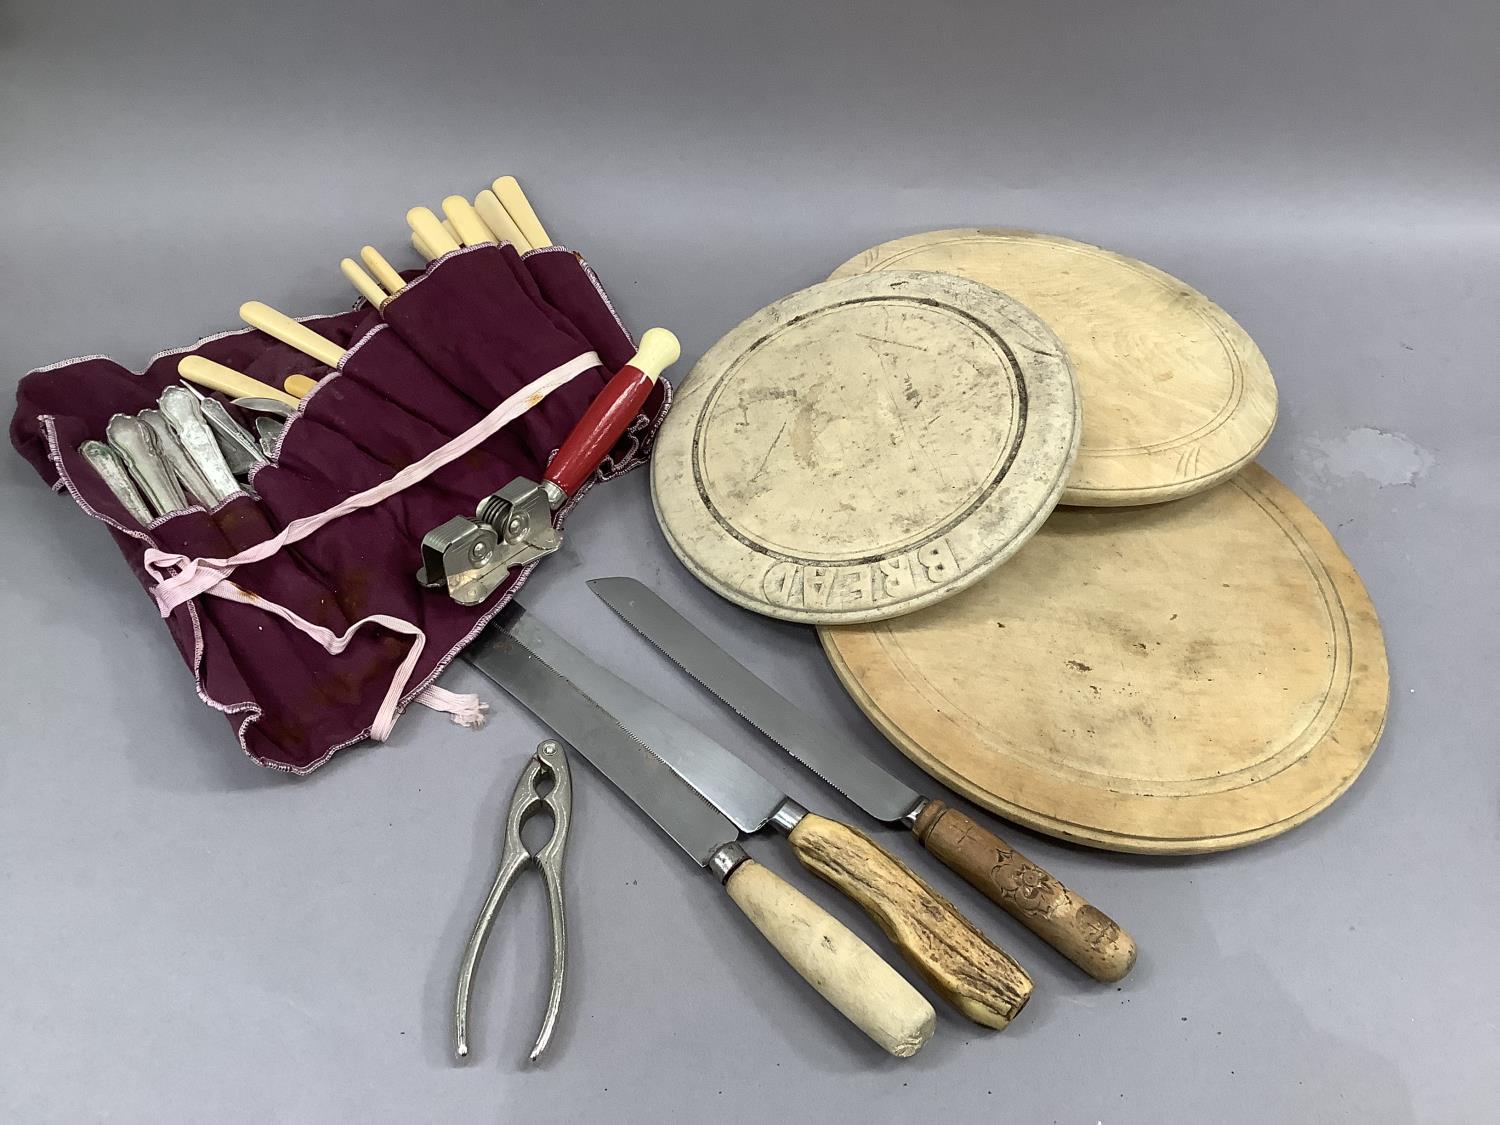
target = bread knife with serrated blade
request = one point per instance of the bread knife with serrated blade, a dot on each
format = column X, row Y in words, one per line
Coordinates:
column 966, row 969
column 1080, row 932
column 830, row 957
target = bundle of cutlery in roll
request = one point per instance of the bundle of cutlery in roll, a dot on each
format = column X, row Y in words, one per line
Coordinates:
column 271, row 487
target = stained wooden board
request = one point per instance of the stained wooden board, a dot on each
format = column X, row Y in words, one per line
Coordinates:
column 1187, row 677
column 865, row 447
column 1175, row 394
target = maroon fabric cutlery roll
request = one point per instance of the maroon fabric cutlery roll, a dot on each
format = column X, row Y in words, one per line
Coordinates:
column 463, row 337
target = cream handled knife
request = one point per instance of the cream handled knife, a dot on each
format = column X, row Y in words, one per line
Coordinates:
column 848, row 973
column 940, row 943
column 1085, row 935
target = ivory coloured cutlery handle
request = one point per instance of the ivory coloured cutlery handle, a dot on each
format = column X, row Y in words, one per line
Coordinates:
column 426, row 252
column 1082, row 933
column 834, row 960
column 471, row 229
column 426, row 228
column 519, row 208
column 498, row 219
column 363, row 283
column 291, row 332
column 384, row 272
column 972, row 974
column 215, row 376
column 299, row 386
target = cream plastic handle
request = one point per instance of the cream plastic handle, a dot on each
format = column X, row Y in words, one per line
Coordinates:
column 299, row 386
column 466, row 221
column 282, row 327
column 425, row 225
column 355, row 274
column 426, row 252
column 215, row 376
column 498, row 219
column 658, row 350
column 829, row 956
column 519, row 207
column 384, row 273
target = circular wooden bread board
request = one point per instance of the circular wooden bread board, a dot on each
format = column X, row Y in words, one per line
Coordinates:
column 1187, row 677
column 1176, row 396
column 865, row 447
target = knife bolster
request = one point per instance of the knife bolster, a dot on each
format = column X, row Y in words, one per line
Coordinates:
column 724, row 862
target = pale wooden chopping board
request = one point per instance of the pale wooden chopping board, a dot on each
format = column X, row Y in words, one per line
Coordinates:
column 1186, row 677
column 865, row 447
column 1175, row 395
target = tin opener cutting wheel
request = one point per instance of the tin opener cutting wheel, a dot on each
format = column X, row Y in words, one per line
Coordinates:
column 471, row 557
column 549, row 763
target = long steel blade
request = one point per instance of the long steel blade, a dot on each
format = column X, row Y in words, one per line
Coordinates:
column 663, row 796
column 730, row 785
column 835, row 758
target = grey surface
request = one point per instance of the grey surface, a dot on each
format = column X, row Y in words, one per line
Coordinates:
column 184, row 936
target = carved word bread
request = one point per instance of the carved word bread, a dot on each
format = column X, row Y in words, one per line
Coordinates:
column 1176, row 396
column 1188, row 677
column 866, row 447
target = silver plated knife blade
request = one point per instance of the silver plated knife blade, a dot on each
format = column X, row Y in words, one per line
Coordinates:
column 738, row 791
column 835, row 758
column 699, row 829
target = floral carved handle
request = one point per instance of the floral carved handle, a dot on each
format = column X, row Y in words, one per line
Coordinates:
column 1082, row 933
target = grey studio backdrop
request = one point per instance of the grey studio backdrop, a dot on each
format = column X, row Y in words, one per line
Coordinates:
column 187, row 937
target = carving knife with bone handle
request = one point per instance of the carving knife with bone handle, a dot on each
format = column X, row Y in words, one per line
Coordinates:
column 969, row 972
column 1077, row 930
column 847, row 972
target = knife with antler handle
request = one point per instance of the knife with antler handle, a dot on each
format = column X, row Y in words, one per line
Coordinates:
column 1080, row 932
column 972, row 974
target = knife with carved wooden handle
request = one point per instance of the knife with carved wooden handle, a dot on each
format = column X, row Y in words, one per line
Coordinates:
column 968, row 971
column 1080, row 932
column 830, row 957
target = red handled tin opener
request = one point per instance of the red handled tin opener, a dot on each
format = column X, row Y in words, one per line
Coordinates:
column 471, row 557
